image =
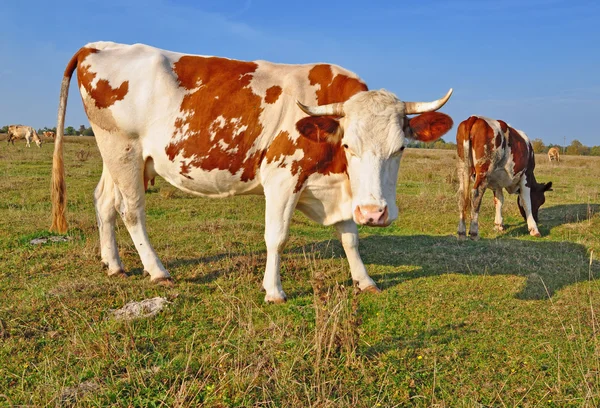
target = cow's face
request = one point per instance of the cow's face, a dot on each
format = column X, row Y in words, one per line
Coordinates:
column 374, row 130
column 538, row 198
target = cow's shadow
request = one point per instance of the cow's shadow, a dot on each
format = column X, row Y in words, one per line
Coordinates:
column 551, row 217
column 547, row 266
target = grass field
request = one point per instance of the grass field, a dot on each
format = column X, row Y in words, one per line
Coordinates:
column 509, row 320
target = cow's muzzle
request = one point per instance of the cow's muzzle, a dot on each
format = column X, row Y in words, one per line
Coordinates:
column 372, row 215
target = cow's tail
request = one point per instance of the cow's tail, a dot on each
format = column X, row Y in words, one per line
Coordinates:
column 59, row 187
column 466, row 163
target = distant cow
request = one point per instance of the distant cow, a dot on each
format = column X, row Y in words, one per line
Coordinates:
column 218, row 127
column 553, row 154
column 49, row 134
column 497, row 156
column 16, row 132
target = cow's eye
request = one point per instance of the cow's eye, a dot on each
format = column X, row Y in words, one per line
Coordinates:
column 345, row 146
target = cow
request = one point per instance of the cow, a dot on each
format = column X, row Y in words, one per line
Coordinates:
column 16, row 132
column 494, row 155
column 49, row 134
column 553, row 155
column 311, row 137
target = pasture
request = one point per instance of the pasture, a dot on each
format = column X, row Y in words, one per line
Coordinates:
column 509, row 320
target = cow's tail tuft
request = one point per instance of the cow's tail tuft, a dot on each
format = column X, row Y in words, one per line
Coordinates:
column 59, row 188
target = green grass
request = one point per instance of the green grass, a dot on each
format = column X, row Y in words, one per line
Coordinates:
column 508, row 320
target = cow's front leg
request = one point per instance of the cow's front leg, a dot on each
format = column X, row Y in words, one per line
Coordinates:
column 525, row 202
column 498, row 202
column 348, row 235
column 279, row 208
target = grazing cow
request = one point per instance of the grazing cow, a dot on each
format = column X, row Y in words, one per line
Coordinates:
column 49, row 134
column 553, row 154
column 495, row 155
column 217, row 127
column 16, row 132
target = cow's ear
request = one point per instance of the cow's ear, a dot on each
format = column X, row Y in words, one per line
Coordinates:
column 548, row 186
column 429, row 126
column 320, row 129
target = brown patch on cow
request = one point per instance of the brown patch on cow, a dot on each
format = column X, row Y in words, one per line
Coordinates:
column 482, row 144
column 103, row 94
column 185, row 170
column 520, row 151
column 318, row 156
column 333, row 89
column 463, row 134
column 273, row 94
column 430, row 126
column 220, row 115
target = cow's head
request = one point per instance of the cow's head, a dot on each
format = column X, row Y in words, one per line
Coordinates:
column 538, row 198
column 374, row 127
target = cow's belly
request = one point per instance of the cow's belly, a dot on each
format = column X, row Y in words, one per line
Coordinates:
column 501, row 178
column 213, row 183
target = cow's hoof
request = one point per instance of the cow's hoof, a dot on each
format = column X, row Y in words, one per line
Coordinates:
column 462, row 236
column 277, row 300
column 166, row 282
column 499, row 227
column 371, row 289
column 474, row 237
column 535, row 233
column 118, row 274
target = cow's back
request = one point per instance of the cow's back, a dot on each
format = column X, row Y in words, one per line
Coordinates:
column 206, row 122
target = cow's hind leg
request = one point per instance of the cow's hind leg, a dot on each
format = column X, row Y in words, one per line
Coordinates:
column 123, row 158
column 106, row 214
column 498, row 202
column 348, row 234
column 463, row 203
column 477, row 197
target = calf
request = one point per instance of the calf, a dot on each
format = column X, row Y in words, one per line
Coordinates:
column 495, row 155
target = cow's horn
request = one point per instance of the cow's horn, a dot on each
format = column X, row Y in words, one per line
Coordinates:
column 412, row 108
column 333, row 109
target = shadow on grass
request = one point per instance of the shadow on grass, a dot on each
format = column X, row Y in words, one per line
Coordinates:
column 555, row 216
column 547, row 266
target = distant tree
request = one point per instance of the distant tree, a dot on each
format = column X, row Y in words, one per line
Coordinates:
column 538, row 146
column 595, row 151
column 70, row 131
column 88, row 132
column 4, row 129
column 81, row 129
column 577, row 148
column 442, row 144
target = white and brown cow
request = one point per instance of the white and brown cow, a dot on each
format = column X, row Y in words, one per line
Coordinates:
column 49, row 134
column 16, row 132
column 553, row 154
column 494, row 155
column 217, row 127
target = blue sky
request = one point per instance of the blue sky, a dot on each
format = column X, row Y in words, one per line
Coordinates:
column 532, row 63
